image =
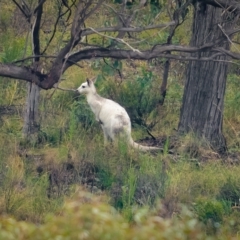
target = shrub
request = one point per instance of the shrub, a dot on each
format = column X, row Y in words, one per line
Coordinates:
column 81, row 112
column 140, row 97
column 210, row 212
column 230, row 191
column 88, row 217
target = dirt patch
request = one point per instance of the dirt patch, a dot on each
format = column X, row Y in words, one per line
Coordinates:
column 62, row 174
column 163, row 142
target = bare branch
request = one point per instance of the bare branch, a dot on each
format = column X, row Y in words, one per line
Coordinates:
column 43, row 56
column 89, row 31
column 231, row 54
column 116, row 13
column 158, row 51
column 36, row 30
column 89, row 53
column 232, row 32
column 45, row 81
column 176, row 17
column 84, row 10
column 55, row 26
column 80, row 17
column 117, row 39
column 65, row 89
column 81, row 14
column 22, row 73
column 24, row 11
column 94, row 9
column 228, row 38
column 230, row 5
column 40, row 4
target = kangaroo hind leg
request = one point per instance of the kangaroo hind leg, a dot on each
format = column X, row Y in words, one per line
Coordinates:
column 107, row 138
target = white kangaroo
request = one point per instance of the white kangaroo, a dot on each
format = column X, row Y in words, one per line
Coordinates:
column 113, row 118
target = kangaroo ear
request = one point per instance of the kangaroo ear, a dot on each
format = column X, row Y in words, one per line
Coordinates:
column 94, row 79
column 89, row 82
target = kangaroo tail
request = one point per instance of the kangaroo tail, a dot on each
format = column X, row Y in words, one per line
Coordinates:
column 141, row 147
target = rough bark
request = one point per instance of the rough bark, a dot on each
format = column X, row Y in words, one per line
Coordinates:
column 31, row 115
column 230, row 5
column 202, row 109
column 31, row 118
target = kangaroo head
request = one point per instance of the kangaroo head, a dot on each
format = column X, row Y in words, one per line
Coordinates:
column 87, row 87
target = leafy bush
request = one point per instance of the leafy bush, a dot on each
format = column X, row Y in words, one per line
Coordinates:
column 13, row 48
column 230, row 191
column 81, row 112
column 140, row 97
column 88, row 217
column 210, row 212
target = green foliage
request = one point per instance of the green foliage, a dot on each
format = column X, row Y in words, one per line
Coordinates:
column 209, row 210
column 23, row 193
column 211, row 213
column 230, row 191
column 88, row 217
column 13, row 93
column 132, row 181
column 140, row 97
column 128, row 192
column 81, row 113
column 73, row 123
column 232, row 112
column 232, row 101
column 5, row 15
column 13, row 48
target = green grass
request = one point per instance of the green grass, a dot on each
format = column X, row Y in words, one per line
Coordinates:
column 68, row 185
column 38, row 179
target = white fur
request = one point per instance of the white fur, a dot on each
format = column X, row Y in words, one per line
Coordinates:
column 113, row 118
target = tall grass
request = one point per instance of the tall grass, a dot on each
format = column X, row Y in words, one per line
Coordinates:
column 36, row 179
column 232, row 112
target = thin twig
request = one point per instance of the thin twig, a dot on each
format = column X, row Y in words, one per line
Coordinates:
column 65, row 89
column 55, row 27
column 44, row 56
column 228, row 37
column 27, row 16
column 127, row 29
column 117, row 39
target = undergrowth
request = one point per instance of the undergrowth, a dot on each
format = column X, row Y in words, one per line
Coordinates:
column 191, row 193
column 68, row 185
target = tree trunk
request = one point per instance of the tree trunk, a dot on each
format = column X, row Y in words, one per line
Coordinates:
column 31, row 116
column 202, row 109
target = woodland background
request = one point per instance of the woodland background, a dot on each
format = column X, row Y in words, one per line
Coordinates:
column 58, row 181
